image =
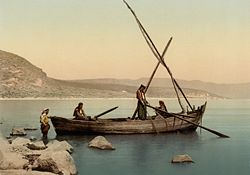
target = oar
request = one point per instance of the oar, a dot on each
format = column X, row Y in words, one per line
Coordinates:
column 195, row 124
column 105, row 112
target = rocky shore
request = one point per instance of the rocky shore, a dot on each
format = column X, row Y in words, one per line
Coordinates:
column 24, row 157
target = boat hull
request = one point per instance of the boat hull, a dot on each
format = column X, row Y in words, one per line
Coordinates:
column 64, row 126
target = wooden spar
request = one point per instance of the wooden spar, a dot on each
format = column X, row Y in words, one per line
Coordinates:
column 158, row 56
column 183, row 95
column 158, row 64
column 153, row 73
column 195, row 124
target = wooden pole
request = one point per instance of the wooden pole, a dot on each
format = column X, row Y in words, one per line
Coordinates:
column 195, row 124
column 158, row 64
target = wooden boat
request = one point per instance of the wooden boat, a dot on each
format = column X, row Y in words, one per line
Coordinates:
column 64, row 126
column 171, row 122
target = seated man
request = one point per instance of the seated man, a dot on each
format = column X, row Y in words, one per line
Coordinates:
column 79, row 113
column 161, row 107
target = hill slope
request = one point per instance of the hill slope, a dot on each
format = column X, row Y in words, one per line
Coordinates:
column 19, row 78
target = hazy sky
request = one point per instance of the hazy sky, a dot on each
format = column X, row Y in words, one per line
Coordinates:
column 80, row 39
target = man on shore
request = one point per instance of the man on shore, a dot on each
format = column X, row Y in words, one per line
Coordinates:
column 44, row 120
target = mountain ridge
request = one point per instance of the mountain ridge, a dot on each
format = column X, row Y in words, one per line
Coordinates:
column 19, row 78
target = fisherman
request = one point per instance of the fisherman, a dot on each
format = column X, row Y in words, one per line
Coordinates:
column 161, row 107
column 44, row 120
column 79, row 113
column 141, row 105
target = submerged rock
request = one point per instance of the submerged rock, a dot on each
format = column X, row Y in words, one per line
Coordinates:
column 18, row 132
column 101, row 142
column 182, row 159
column 30, row 128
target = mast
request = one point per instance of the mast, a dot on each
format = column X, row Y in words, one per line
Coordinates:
column 159, row 57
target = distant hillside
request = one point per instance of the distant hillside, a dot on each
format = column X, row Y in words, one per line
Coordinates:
column 130, row 86
column 222, row 90
column 20, row 78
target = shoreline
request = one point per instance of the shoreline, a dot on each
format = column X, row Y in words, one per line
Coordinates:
column 110, row 98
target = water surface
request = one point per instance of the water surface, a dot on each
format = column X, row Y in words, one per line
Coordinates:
column 147, row 154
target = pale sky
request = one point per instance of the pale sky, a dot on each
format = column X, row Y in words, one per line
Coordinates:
column 81, row 39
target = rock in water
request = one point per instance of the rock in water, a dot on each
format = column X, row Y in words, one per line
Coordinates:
column 101, row 142
column 182, row 158
column 18, row 132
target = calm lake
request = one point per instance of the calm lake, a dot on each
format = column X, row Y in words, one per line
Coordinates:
column 147, row 154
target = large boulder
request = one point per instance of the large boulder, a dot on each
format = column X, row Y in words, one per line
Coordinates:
column 101, row 142
column 182, row 159
column 56, row 145
column 18, row 145
column 18, row 132
column 59, row 162
column 23, row 154
column 23, row 172
column 20, row 141
column 10, row 160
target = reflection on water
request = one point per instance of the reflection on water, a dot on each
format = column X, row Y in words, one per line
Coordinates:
column 147, row 154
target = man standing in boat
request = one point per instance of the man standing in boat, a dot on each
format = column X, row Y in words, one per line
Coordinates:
column 141, row 105
column 79, row 113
